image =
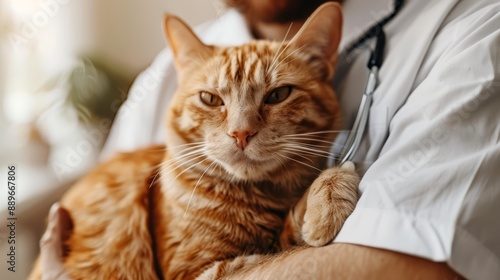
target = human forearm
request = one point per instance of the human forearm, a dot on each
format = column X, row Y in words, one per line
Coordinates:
column 346, row 261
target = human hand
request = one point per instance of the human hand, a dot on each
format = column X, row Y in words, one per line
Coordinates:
column 52, row 248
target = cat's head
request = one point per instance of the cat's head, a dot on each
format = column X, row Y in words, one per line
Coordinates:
column 257, row 111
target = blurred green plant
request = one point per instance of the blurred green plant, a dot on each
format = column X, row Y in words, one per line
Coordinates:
column 95, row 91
column 92, row 89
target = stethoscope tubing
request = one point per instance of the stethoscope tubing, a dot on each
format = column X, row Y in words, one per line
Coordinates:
column 355, row 135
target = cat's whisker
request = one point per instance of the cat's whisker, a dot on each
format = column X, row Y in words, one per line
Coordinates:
column 314, row 147
column 309, row 137
column 316, row 132
column 190, row 149
column 187, row 152
column 283, row 165
column 174, row 157
column 173, row 161
column 299, row 155
column 182, row 159
column 188, row 144
column 329, row 143
column 280, row 62
column 195, row 186
column 321, row 146
column 154, row 178
column 298, row 152
column 218, row 164
column 291, row 60
column 317, row 147
column 307, row 152
column 168, row 163
column 215, row 165
column 305, row 164
column 151, row 168
column 302, row 147
column 170, row 166
column 278, row 53
column 185, row 170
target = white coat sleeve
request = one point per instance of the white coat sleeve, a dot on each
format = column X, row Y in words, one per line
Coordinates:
column 434, row 191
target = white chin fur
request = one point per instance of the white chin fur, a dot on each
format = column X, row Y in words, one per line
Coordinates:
column 249, row 172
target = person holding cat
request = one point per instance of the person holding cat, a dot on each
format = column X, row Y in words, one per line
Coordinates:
column 428, row 159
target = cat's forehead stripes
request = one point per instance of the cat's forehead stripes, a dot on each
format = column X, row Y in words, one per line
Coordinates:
column 242, row 67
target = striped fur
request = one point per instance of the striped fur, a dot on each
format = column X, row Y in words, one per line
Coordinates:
column 214, row 207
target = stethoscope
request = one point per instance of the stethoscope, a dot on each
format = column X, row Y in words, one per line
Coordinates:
column 355, row 135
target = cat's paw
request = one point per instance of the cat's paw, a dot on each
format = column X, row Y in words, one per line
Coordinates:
column 331, row 199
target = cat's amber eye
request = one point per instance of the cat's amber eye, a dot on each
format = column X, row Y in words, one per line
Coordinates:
column 278, row 95
column 211, row 99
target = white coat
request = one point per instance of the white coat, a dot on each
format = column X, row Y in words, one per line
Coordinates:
column 431, row 152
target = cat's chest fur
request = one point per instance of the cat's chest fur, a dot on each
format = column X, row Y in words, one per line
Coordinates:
column 122, row 212
column 200, row 219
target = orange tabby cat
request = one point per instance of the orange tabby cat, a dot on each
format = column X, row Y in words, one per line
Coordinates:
column 247, row 133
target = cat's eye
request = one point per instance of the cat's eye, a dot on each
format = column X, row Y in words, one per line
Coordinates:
column 278, row 95
column 211, row 99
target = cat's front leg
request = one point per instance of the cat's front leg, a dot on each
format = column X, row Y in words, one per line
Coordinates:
column 331, row 198
column 226, row 268
column 318, row 216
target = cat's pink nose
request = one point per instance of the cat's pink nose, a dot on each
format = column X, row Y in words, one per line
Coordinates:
column 242, row 138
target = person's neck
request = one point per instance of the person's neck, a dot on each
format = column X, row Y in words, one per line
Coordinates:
column 276, row 31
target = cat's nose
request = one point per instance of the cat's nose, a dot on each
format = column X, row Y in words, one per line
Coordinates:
column 242, row 138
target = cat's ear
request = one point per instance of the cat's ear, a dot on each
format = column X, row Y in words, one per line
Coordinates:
column 186, row 46
column 319, row 37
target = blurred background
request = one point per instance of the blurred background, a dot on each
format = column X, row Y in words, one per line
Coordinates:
column 65, row 67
